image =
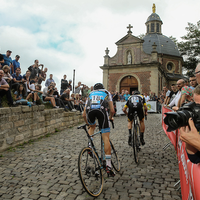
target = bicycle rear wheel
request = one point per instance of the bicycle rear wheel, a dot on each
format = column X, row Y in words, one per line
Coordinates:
column 136, row 142
column 114, row 158
column 90, row 172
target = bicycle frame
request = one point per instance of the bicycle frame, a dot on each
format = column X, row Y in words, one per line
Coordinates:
column 90, row 139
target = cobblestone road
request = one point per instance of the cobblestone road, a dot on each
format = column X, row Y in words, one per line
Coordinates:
column 47, row 168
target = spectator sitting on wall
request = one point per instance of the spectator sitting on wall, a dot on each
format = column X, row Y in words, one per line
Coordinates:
column 190, row 135
column 126, row 95
column 17, row 79
column 64, row 84
column 42, row 75
column 35, row 70
column 7, row 75
column 7, row 60
column 48, row 95
column 36, row 95
column 49, row 80
column 16, row 64
column 78, row 88
column 78, row 103
column 5, row 90
column 67, row 100
column 31, row 88
column 26, row 77
column 20, row 93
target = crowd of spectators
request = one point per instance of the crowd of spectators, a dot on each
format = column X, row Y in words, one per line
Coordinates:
column 26, row 89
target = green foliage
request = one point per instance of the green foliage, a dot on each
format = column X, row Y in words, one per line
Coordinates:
column 174, row 40
column 141, row 36
column 190, row 47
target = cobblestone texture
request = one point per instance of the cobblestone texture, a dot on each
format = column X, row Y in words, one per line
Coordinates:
column 47, row 169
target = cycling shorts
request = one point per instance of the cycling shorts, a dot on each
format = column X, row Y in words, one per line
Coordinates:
column 102, row 116
column 139, row 110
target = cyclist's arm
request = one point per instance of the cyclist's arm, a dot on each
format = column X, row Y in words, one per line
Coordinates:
column 84, row 116
column 112, row 110
column 124, row 110
column 145, row 108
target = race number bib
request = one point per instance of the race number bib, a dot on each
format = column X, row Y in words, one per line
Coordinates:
column 96, row 99
column 135, row 100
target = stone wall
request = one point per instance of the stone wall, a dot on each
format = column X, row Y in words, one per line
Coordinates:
column 21, row 124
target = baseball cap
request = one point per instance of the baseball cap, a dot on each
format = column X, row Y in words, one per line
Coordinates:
column 17, row 56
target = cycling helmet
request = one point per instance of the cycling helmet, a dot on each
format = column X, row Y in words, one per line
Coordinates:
column 98, row 86
column 136, row 92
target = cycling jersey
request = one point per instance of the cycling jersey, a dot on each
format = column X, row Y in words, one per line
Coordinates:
column 135, row 103
column 97, row 108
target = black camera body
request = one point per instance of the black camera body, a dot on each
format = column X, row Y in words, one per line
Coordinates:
column 178, row 119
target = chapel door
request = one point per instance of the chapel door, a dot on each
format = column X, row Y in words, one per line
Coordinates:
column 129, row 83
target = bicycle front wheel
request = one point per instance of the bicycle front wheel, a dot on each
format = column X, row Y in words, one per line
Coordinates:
column 135, row 142
column 90, row 172
column 114, row 158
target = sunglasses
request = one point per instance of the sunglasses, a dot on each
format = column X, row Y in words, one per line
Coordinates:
column 196, row 72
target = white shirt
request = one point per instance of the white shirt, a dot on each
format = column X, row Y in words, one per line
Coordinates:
column 175, row 100
column 146, row 98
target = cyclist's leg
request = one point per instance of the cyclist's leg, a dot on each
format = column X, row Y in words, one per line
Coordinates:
column 142, row 126
column 142, row 129
column 130, row 129
column 105, row 129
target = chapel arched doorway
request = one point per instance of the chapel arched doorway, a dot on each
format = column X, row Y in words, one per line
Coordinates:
column 129, row 83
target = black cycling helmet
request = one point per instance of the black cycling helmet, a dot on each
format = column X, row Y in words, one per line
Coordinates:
column 136, row 92
column 98, row 86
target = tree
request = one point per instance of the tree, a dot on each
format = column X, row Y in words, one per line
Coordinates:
column 174, row 40
column 190, row 47
column 141, row 36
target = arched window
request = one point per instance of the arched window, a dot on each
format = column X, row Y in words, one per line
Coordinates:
column 148, row 28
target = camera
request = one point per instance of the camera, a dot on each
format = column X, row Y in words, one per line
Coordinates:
column 175, row 120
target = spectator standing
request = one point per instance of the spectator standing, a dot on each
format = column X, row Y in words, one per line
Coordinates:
column 70, row 85
column 42, row 75
column 35, row 70
column 7, row 60
column 147, row 98
column 180, row 84
column 84, row 91
column 193, row 82
column 49, row 80
column 121, row 96
column 172, row 94
column 64, row 84
column 78, row 88
column 16, row 64
column 126, row 95
column 91, row 89
column 5, row 90
column 166, row 93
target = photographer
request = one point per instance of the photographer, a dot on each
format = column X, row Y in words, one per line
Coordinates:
column 190, row 134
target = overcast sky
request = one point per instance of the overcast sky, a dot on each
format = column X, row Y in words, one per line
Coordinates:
column 66, row 35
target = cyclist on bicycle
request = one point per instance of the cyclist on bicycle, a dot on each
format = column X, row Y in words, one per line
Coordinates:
column 136, row 103
column 96, row 106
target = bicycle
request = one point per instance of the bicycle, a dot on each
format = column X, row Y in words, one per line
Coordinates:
column 135, row 138
column 90, row 164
